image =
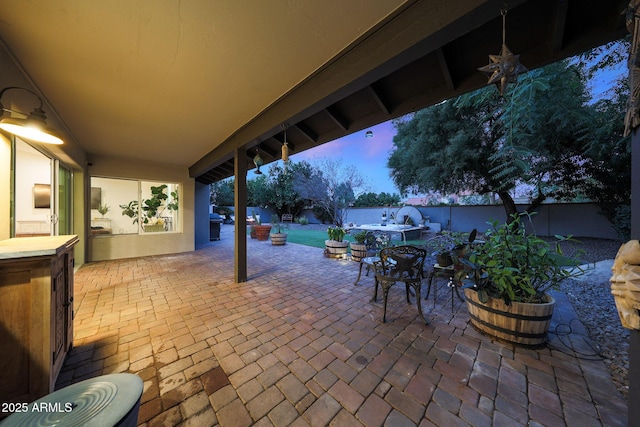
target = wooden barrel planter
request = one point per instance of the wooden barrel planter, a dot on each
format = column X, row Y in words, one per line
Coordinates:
column 335, row 249
column 519, row 323
column 262, row 232
column 358, row 251
column 278, row 239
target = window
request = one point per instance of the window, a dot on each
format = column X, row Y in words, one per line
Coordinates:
column 134, row 207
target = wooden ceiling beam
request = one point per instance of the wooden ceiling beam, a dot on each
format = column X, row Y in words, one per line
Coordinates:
column 442, row 61
column 264, row 149
column 377, row 96
column 307, row 132
column 559, row 26
column 227, row 167
column 338, row 118
column 212, row 176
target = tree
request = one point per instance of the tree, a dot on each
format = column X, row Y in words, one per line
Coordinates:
column 331, row 187
column 483, row 142
column 257, row 191
column 221, row 193
column 283, row 197
column 609, row 161
column 372, row 199
column 604, row 57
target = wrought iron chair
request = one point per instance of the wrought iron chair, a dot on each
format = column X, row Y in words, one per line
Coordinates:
column 400, row 264
column 437, row 264
column 375, row 241
column 446, row 270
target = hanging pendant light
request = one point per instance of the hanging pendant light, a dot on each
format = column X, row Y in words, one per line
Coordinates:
column 504, row 68
column 285, row 149
column 257, row 160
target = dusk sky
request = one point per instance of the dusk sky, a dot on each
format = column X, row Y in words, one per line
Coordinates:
column 369, row 155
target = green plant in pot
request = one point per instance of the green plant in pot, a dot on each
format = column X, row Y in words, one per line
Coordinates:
column 278, row 231
column 449, row 245
column 510, row 275
column 336, row 246
column 151, row 210
column 359, row 248
column 440, row 247
column 103, row 209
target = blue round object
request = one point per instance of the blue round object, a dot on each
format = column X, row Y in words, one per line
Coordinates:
column 108, row 400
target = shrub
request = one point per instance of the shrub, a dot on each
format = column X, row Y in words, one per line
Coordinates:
column 515, row 265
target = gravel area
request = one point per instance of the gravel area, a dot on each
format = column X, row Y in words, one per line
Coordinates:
column 592, row 300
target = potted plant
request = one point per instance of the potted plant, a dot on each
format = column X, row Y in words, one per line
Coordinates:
column 261, row 231
column 103, row 209
column 447, row 245
column 360, row 246
column 506, row 282
column 441, row 246
column 152, row 208
column 336, row 247
column 278, row 231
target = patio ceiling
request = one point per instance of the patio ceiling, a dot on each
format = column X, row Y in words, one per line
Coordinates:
column 439, row 65
column 189, row 83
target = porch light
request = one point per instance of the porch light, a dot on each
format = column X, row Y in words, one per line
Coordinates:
column 505, row 67
column 33, row 127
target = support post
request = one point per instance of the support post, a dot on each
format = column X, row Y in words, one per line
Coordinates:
column 633, row 405
column 240, row 201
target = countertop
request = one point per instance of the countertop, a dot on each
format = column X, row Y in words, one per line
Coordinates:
column 25, row 247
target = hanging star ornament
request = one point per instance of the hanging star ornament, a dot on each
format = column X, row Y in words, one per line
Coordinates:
column 503, row 69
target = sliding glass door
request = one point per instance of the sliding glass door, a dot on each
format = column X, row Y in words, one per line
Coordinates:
column 63, row 200
column 42, row 199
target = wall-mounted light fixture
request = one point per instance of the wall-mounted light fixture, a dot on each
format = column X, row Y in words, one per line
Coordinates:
column 33, row 127
column 257, row 160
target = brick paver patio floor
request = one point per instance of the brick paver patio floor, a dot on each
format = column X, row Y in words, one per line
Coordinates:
column 299, row 345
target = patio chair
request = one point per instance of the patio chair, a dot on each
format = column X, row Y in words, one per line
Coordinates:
column 434, row 246
column 435, row 268
column 400, row 264
column 375, row 241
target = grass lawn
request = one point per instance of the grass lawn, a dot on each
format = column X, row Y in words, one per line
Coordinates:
column 316, row 238
column 310, row 237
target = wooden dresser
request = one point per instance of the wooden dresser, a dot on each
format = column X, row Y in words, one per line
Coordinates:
column 36, row 314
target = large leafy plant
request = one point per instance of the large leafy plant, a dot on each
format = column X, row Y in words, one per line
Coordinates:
column 515, row 265
column 153, row 207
